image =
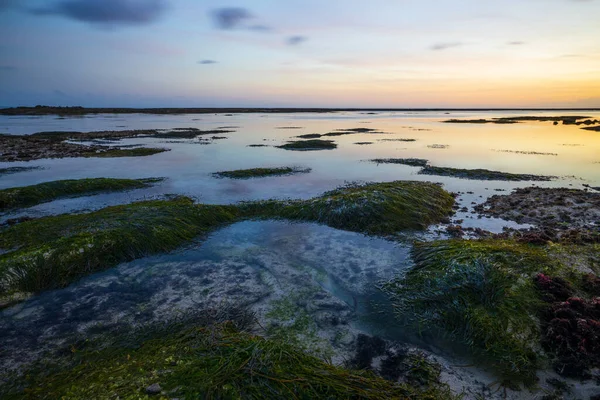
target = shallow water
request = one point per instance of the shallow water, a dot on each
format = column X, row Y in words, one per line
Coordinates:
column 255, row 264
column 259, row 264
column 188, row 166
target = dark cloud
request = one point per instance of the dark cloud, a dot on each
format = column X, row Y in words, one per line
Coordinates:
column 5, row 4
column 207, row 62
column 296, row 40
column 230, row 17
column 516, row 43
column 107, row 12
column 444, row 46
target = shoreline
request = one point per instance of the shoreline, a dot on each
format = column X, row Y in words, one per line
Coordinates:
column 76, row 110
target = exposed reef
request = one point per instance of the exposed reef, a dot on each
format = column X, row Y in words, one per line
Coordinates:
column 566, row 120
column 339, row 132
column 481, row 174
column 560, row 213
column 53, row 251
column 378, row 208
column 28, row 196
column 54, row 145
column 413, row 162
column 482, row 294
column 260, row 172
column 209, row 355
column 314, row 144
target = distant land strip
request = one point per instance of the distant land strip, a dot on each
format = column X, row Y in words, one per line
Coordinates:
column 77, row 110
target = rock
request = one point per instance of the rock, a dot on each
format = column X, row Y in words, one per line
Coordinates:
column 153, row 389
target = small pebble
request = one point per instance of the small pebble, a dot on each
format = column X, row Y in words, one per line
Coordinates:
column 153, row 389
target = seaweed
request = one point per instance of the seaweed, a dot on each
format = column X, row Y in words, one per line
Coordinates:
column 52, row 252
column 28, row 196
column 478, row 294
column 481, row 174
column 189, row 133
column 377, row 208
column 413, row 162
column 571, row 324
column 315, row 144
column 260, row 172
column 201, row 360
column 310, row 136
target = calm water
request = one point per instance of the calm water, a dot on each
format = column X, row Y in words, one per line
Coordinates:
column 263, row 262
column 188, row 166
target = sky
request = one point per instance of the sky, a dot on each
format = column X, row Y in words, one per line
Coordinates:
column 300, row 53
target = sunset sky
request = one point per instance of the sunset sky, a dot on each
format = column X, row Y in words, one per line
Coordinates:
column 377, row 53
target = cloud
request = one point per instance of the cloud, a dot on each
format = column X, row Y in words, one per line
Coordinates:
column 260, row 28
column 296, row 40
column 230, row 17
column 5, row 4
column 516, row 43
column 444, row 46
column 207, row 62
column 107, row 12
column 7, row 68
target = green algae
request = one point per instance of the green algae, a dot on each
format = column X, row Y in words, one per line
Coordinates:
column 215, row 361
column 54, row 251
column 413, row 162
column 290, row 322
column 28, row 196
column 260, row 172
column 481, row 174
column 481, row 295
column 378, row 208
column 314, row 144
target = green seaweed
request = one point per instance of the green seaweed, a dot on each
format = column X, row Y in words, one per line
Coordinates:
column 260, row 172
column 28, row 196
column 479, row 294
column 54, row 251
column 215, row 361
column 481, row 174
column 314, row 144
column 413, row 162
column 378, row 208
